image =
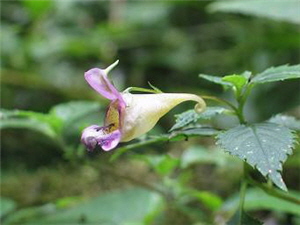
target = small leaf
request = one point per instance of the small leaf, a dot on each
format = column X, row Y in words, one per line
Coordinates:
column 247, row 74
column 237, row 80
column 242, row 218
column 279, row 73
column 264, row 146
column 194, row 131
column 287, row 121
column 216, row 80
column 190, row 116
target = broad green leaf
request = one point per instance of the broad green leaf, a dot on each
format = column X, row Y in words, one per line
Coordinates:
column 29, row 120
column 119, row 207
column 216, row 80
column 242, row 218
column 199, row 154
column 287, row 10
column 30, row 124
column 279, row 73
column 71, row 111
column 287, row 121
column 190, row 116
column 264, row 146
column 7, row 205
column 256, row 199
column 237, row 80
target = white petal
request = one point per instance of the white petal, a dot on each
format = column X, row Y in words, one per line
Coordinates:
column 144, row 110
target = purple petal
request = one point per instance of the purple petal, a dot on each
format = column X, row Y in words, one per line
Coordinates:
column 95, row 135
column 98, row 80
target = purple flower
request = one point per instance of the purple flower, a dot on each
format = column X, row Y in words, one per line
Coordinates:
column 128, row 115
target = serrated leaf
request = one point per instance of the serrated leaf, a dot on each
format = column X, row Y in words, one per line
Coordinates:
column 287, row 10
column 237, row 80
column 287, row 121
column 264, row 146
column 190, row 116
column 216, row 80
column 242, row 218
column 279, row 73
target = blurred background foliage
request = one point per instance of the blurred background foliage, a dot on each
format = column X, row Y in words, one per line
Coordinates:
column 45, row 48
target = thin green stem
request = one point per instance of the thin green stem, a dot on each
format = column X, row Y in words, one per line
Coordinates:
column 141, row 90
column 243, row 188
column 222, row 101
column 274, row 192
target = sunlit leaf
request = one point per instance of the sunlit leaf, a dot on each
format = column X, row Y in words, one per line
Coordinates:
column 287, row 121
column 237, row 80
column 287, row 10
column 191, row 116
column 264, row 146
column 279, row 73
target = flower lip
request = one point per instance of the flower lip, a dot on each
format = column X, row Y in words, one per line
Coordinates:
column 94, row 135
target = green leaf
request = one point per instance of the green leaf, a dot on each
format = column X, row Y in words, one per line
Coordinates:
column 209, row 199
column 237, row 80
column 72, row 111
column 198, row 154
column 257, row 199
column 279, row 73
column 119, row 207
column 242, row 218
column 190, row 116
column 287, row 121
column 264, row 146
column 216, row 80
column 7, row 205
column 30, row 120
column 287, row 10
column 194, row 131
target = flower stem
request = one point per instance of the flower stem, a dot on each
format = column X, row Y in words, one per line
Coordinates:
column 274, row 192
column 220, row 101
column 243, row 189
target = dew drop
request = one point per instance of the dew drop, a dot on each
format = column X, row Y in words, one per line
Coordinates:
column 270, row 171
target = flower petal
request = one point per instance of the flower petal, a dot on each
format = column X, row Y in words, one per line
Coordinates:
column 144, row 110
column 102, row 136
column 97, row 79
